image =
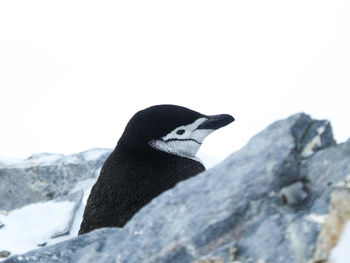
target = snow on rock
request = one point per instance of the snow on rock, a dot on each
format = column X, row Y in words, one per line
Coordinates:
column 44, row 177
column 45, row 223
column 269, row 202
column 34, row 224
column 22, row 230
column 6, row 161
column 47, row 159
column 40, row 224
column 85, row 186
column 75, row 197
column 255, row 206
column 94, row 154
column 43, row 158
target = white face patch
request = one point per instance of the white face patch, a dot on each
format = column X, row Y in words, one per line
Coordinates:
column 184, row 140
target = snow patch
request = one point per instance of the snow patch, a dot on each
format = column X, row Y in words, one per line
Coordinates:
column 5, row 161
column 43, row 159
column 34, row 224
column 86, row 186
column 46, row 158
column 319, row 219
column 94, row 154
column 340, row 253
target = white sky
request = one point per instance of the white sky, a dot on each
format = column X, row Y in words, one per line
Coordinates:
column 72, row 73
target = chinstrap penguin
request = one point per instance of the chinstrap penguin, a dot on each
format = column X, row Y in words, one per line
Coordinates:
column 156, row 151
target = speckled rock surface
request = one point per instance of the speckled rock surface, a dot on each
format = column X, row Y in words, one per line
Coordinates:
column 44, row 177
column 264, row 203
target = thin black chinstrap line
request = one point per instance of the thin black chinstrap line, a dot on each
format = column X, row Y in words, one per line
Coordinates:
column 182, row 140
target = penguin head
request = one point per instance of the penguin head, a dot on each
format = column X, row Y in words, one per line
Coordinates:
column 170, row 128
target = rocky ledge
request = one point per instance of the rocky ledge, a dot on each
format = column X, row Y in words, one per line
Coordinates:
column 284, row 198
column 46, row 176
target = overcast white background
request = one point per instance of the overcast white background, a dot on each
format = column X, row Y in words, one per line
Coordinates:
column 72, row 73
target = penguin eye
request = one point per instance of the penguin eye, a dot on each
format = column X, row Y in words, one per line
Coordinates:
column 180, row 132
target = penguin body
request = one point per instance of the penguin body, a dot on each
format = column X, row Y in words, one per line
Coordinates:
column 156, row 151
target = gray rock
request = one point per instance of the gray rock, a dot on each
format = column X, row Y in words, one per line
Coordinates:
column 4, row 254
column 294, row 194
column 46, row 176
column 233, row 212
column 12, row 182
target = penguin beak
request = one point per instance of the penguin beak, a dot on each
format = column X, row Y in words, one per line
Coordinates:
column 215, row 122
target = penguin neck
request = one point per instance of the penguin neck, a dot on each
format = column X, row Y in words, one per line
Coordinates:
column 150, row 151
column 173, row 154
